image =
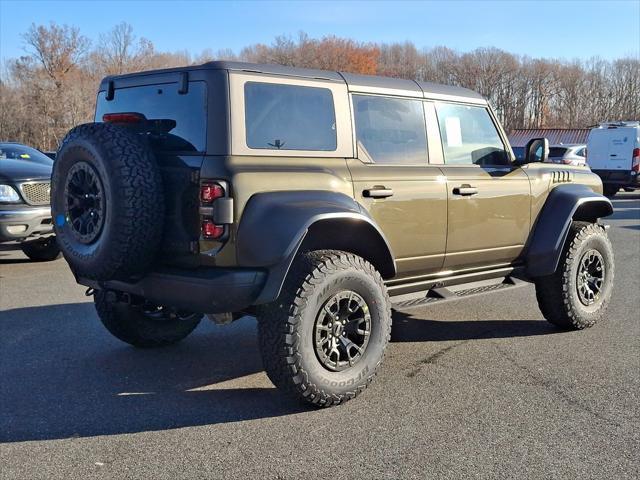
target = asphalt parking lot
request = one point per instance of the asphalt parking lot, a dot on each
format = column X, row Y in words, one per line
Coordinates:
column 481, row 388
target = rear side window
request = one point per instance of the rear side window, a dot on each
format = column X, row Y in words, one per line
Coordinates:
column 390, row 130
column 469, row 136
column 173, row 122
column 289, row 117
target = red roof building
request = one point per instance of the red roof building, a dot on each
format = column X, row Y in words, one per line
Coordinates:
column 520, row 136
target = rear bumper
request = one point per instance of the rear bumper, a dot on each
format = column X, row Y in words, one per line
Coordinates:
column 210, row 290
column 624, row 178
column 17, row 223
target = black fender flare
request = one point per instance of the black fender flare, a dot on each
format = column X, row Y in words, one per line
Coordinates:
column 275, row 226
column 564, row 204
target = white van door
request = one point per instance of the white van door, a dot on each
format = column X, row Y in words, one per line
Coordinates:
column 611, row 148
column 621, row 146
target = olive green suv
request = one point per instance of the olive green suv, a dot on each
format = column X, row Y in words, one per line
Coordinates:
column 316, row 201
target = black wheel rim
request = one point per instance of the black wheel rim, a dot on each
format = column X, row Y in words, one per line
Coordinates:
column 591, row 275
column 85, row 206
column 342, row 331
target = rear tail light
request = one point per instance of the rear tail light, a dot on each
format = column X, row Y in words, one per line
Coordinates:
column 210, row 192
column 210, row 230
column 635, row 165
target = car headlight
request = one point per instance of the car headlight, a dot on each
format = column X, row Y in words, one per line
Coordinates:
column 8, row 194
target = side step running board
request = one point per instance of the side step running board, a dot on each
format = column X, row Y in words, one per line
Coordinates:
column 444, row 294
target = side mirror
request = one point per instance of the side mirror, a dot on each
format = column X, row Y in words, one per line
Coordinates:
column 537, row 150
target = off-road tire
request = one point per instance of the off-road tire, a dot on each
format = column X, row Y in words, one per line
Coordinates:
column 130, row 324
column 41, row 250
column 285, row 327
column 132, row 205
column 557, row 294
column 610, row 190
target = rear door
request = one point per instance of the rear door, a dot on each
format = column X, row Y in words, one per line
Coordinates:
column 393, row 180
column 174, row 122
column 488, row 197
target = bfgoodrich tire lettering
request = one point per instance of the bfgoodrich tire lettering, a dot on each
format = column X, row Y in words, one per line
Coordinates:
column 127, row 181
column 286, row 327
column 560, row 297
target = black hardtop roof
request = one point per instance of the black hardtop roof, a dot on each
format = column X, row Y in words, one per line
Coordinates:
column 370, row 81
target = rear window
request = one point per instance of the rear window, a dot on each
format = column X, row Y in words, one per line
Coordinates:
column 390, row 130
column 289, row 117
column 174, row 122
column 557, row 152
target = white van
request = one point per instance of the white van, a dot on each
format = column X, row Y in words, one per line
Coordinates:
column 613, row 153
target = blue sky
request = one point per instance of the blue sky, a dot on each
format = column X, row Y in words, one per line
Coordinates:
column 566, row 29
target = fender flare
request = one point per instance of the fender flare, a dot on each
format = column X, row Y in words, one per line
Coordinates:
column 564, row 204
column 274, row 226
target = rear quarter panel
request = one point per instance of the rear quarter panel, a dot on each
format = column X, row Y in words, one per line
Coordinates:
column 249, row 175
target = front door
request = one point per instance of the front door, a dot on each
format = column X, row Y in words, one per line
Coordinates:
column 393, row 180
column 489, row 198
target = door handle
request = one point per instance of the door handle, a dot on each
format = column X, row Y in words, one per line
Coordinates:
column 377, row 192
column 465, row 190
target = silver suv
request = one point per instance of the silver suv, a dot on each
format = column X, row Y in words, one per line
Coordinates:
column 574, row 155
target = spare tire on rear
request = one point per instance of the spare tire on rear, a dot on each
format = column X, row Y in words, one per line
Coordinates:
column 106, row 201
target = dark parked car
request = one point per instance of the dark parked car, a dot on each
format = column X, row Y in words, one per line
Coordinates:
column 25, row 211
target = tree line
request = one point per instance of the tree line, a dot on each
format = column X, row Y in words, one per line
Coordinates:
column 53, row 86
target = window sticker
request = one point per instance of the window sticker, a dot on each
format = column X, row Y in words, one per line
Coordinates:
column 454, row 132
column 25, row 155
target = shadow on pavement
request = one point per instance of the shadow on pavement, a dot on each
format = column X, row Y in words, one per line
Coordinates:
column 407, row 328
column 64, row 376
column 625, row 214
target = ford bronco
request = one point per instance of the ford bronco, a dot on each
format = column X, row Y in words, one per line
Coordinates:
column 315, row 201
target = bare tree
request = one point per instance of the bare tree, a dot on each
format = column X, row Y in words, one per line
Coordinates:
column 119, row 51
column 59, row 49
column 45, row 93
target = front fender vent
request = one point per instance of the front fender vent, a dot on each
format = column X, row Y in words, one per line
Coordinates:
column 561, row 176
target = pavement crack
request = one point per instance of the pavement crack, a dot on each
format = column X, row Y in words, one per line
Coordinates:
column 432, row 359
column 553, row 387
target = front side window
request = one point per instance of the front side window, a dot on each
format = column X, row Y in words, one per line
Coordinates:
column 390, row 130
column 289, row 117
column 469, row 136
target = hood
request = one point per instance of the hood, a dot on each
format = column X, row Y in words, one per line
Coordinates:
column 22, row 170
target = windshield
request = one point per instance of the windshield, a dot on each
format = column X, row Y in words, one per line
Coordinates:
column 22, row 152
column 557, row 152
column 518, row 152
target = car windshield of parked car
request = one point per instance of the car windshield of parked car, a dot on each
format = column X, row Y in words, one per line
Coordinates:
column 557, row 152
column 22, row 152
